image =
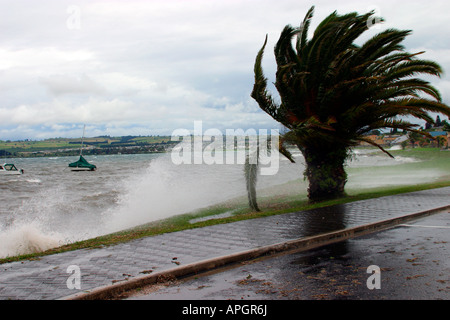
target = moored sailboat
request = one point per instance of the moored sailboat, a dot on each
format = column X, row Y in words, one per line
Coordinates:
column 82, row 164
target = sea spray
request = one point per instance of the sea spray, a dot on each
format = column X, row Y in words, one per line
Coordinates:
column 165, row 189
column 25, row 239
column 124, row 192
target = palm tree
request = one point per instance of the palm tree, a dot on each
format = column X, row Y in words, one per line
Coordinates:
column 334, row 92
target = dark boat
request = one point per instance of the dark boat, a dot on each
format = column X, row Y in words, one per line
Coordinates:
column 82, row 164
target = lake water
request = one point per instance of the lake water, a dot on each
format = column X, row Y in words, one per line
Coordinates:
column 50, row 205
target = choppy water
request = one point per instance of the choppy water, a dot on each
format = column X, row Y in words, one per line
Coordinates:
column 50, row 205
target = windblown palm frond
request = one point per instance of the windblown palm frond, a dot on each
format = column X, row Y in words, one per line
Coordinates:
column 329, row 77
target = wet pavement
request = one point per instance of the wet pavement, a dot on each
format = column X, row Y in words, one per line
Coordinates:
column 78, row 272
column 413, row 261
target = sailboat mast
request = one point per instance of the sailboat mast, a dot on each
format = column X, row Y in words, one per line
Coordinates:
column 82, row 139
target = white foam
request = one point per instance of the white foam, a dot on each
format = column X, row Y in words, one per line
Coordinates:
column 165, row 190
column 26, row 239
column 33, row 180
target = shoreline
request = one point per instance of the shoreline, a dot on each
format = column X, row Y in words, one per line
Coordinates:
column 182, row 222
column 282, row 198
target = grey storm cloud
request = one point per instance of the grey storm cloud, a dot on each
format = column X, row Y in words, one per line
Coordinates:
column 150, row 67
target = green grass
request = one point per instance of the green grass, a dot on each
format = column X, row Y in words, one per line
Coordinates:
column 433, row 165
column 152, row 139
column 49, row 144
column 286, row 198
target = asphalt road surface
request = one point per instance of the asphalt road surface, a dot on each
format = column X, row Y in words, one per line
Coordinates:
column 407, row 262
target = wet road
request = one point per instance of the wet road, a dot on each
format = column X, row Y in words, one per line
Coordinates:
column 413, row 261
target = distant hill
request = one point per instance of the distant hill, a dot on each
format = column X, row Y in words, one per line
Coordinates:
column 95, row 145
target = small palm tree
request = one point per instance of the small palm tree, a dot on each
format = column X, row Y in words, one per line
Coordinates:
column 334, row 92
column 251, row 176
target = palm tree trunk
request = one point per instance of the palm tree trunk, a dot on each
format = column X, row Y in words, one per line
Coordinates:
column 325, row 173
column 251, row 176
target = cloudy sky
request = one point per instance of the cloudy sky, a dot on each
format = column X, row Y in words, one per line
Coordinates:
column 150, row 67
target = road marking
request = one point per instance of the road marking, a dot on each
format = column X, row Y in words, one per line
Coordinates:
column 421, row 226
